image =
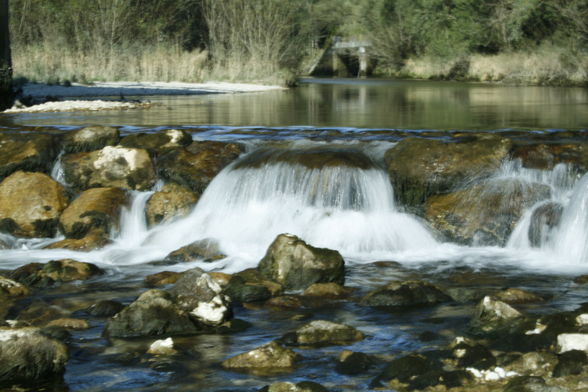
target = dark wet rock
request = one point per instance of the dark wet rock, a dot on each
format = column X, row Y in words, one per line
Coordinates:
column 95, row 209
column 570, row 363
column 420, row 168
column 312, row 158
column 328, row 290
column 493, row 315
column 27, row 355
column 544, row 219
column 173, row 201
column 303, row 386
column 204, row 250
column 117, row 167
column 483, row 214
column 90, row 139
column 534, row 362
column 405, row 294
column 517, row 296
column 27, row 152
column 10, row 288
column 285, row 302
column 406, row 369
column 57, row 333
column 158, row 143
column 352, row 363
column 473, row 355
column 465, row 294
column 448, row 379
column 323, row 333
column 39, row 313
column 240, row 290
column 69, row 323
column 105, row 308
column 30, row 204
column 154, row 313
column 297, row 265
column 582, row 279
column 95, row 239
column 269, row 356
column 162, row 278
column 546, row 156
column 196, row 165
column 531, row 384
column 197, row 293
column 43, row 275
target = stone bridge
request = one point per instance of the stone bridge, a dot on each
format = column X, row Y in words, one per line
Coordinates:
column 344, row 58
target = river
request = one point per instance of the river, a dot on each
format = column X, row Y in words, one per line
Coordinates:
column 249, row 203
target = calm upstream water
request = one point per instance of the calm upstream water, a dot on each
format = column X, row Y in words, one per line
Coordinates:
column 252, row 201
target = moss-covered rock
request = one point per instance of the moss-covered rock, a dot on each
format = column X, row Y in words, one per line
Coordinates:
column 95, row 209
column 173, row 201
column 399, row 294
column 119, row 167
column 484, row 214
column 27, row 152
column 420, row 168
column 271, row 356
column 297, row 265
column 323, row 333
column 31, row 204
column 196, row 165
column 66, row 270
column 90, row 139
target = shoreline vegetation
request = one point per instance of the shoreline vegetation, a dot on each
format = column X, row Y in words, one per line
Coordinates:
column 526, row 42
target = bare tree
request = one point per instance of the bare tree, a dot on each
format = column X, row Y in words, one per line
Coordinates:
column 6, row 95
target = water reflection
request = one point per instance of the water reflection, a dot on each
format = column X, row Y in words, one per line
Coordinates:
column 353, row 103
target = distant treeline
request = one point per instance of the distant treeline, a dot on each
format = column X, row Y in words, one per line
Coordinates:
column 524, row 41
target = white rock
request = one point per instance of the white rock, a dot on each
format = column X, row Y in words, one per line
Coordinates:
column 572, row 341
column 213, row 313
column 162, row 347
column 109, row 154
column 495, row 374
column 582, row 319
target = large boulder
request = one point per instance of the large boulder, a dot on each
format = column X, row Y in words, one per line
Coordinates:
column 27, row 152
column 158, row 143
column 120, row 167
column 405, row 294
column 271, row 356
column 66, row 270
column 484, row 214
column 95, row 209
column 196, row 165
column 154, row 313
column 297, row 265
column 420, row 168
column 323, row 333
column 90, row 139
column 26, row 355
column 30, row 204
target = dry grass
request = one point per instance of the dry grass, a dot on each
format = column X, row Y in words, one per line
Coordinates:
column 546, row 66
column 44, row 63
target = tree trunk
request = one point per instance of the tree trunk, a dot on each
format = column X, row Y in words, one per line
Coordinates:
column 6, row 96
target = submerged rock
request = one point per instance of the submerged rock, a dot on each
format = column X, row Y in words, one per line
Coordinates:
column 30, row 152
column 323, row 333
column 405, row 294
column 26, row 355
column 352, row 363
column 105, row 308
column 66, row 270
column 154, row 313
column 303, row 386
column 196, row 165
column 162, row 278
column 328, row 290
column 95, row 209
column 297, row 265
column 517, row 296
column 206, row 250
column 420, row 168
column 30, row 204
column 406, row 369
column 90, row 139
column 119, row 167
column 158, row 143
column 570, row 363
column 544, row 219
column 484, row 214
column 267, row 357
column 173, row 201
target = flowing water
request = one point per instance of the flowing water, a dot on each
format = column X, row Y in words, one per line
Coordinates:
column 278, row 186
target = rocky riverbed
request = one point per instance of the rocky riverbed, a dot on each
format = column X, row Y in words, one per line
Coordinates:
column 300, row 317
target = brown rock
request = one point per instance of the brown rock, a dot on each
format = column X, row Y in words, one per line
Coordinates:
column 205, row 250
column 269, row 356
column 30, row 204
column 11, row 288
column 95, row 209
column 119, row 167
column 546, row 156
column 285, row 302
column 27, row 152
column 517, row 296
column 95, row 239
column 328, row 290
column 90, row 139
column 196, row 165
column 162, row 278
column 67, row 270
column 69, row 323
column 171, row 202
column 158, row 143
